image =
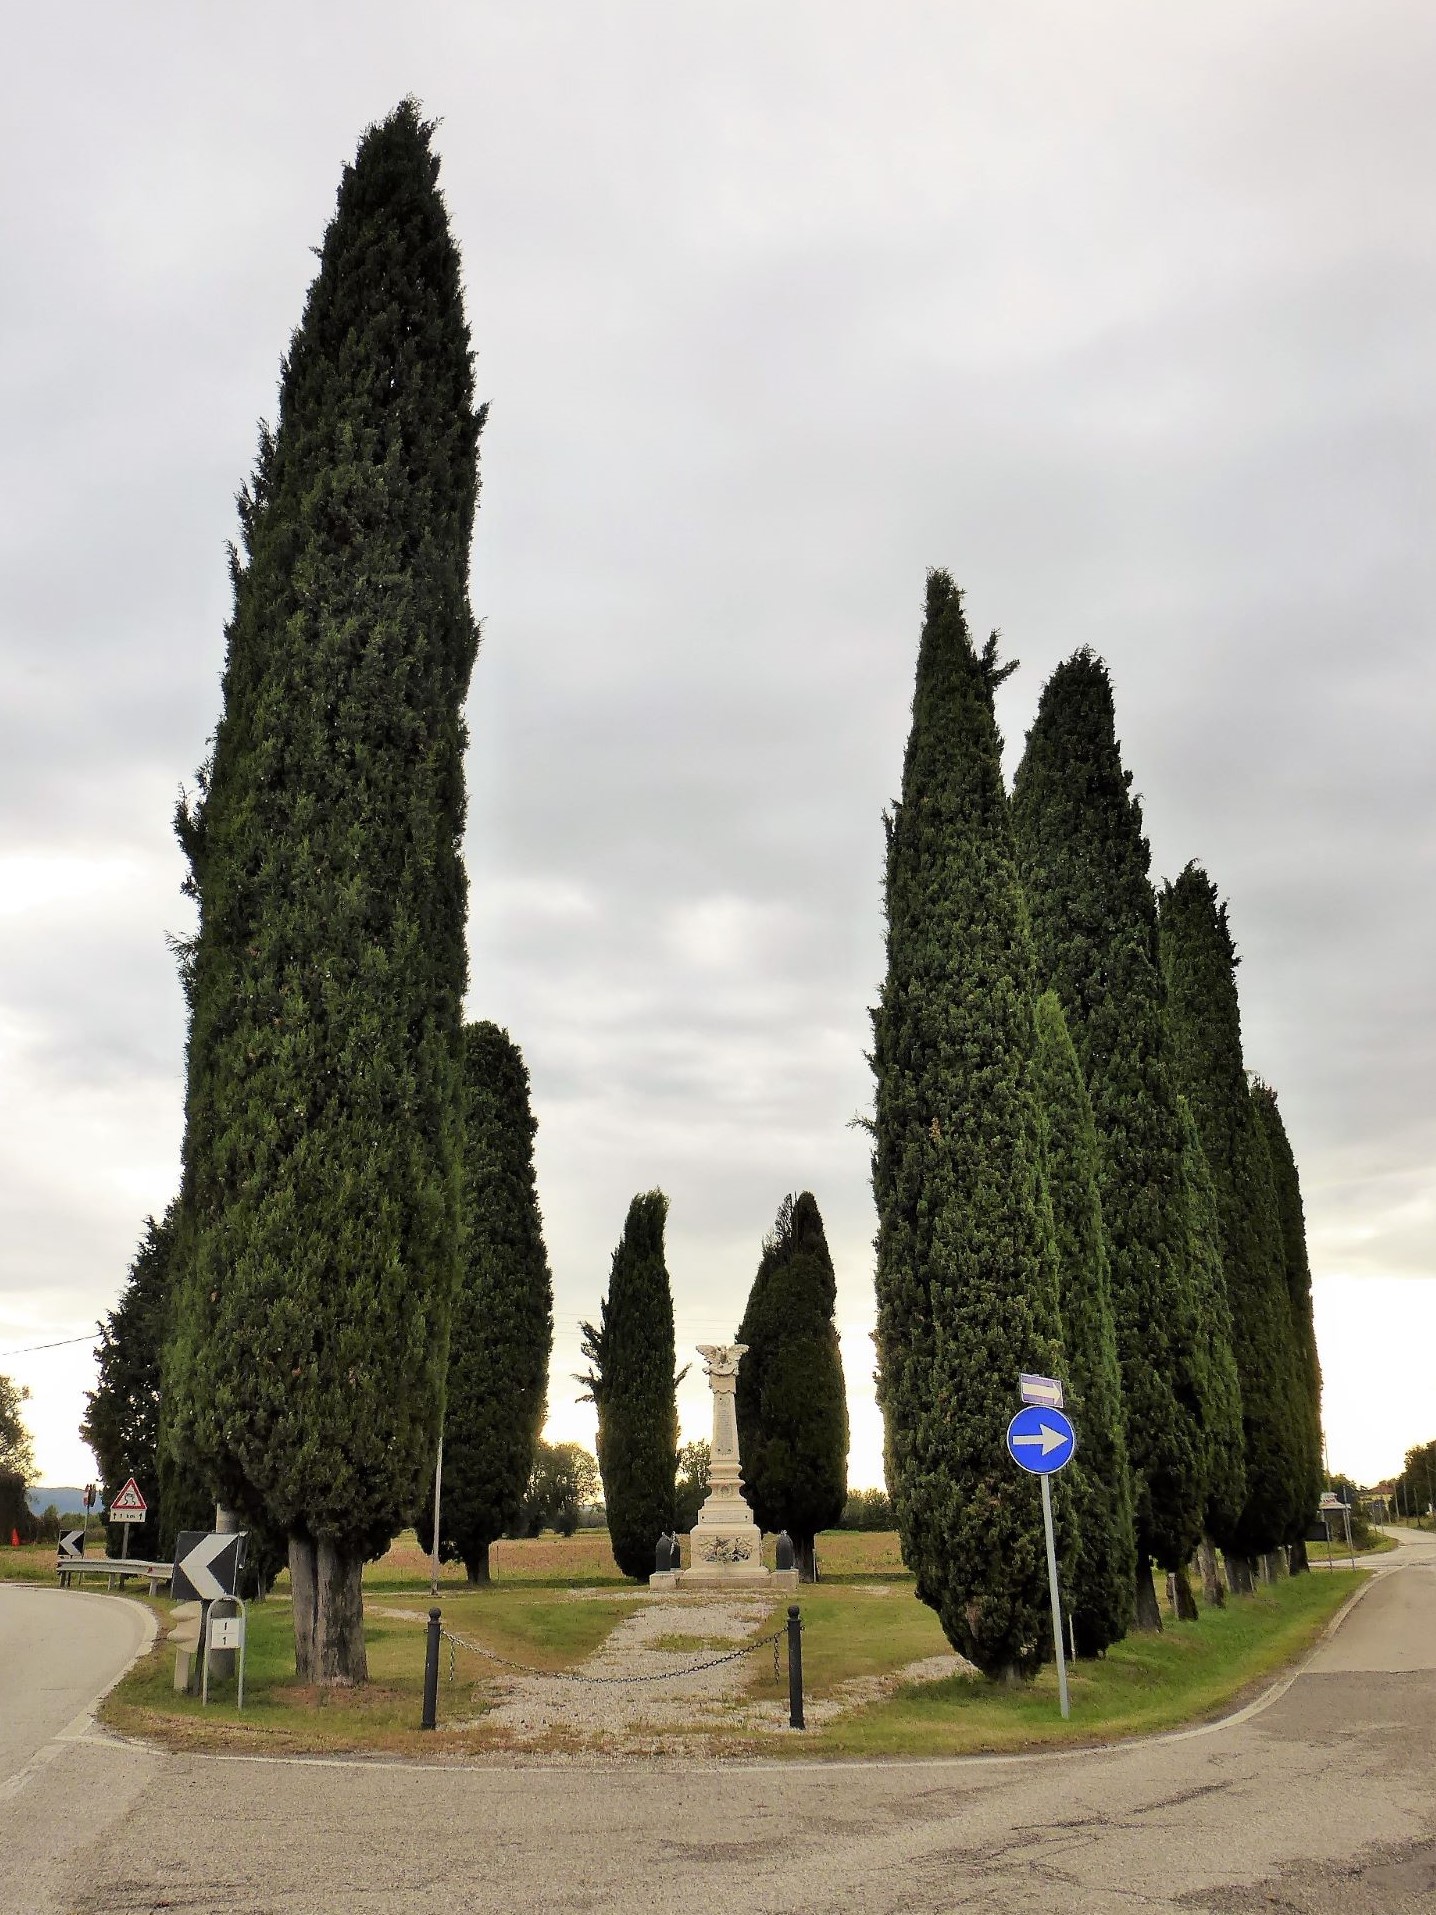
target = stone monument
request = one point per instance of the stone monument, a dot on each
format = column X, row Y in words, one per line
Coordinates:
column 726, row 1545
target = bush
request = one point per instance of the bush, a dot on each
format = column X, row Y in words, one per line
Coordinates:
column 15, row 1513
column 867, row 1509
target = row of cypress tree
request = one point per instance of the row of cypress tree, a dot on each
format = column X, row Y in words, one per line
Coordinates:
column 1072, row 1173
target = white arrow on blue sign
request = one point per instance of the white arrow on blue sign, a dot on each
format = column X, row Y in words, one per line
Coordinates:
column 1040, row 1440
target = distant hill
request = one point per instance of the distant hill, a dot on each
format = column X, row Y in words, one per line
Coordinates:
column 70, row 1500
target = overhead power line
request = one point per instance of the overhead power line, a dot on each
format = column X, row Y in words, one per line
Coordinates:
column 31, row 1348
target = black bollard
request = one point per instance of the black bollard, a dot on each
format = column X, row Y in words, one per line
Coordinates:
column 785, row 1556
column 795, row 1667
column 431, row 1674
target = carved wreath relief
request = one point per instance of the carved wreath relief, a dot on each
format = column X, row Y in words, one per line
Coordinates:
column 727, row 1549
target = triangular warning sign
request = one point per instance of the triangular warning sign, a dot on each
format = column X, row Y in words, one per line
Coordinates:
column 129, row 1501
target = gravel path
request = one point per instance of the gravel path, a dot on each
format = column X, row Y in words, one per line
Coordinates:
column 645, row 1696
column 660, row 1642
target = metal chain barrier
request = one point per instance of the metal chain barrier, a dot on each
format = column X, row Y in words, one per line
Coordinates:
column 457, row 1642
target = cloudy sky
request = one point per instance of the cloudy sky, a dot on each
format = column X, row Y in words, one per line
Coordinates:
column 1123, row 313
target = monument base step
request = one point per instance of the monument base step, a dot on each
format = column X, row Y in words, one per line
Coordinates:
column 709, row 1576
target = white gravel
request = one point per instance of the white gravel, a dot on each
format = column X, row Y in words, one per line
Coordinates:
column 675, row 1700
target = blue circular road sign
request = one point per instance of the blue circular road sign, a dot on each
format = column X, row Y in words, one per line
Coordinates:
column 1040, row 1441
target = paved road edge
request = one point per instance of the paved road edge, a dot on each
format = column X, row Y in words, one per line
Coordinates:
column 830, row 1765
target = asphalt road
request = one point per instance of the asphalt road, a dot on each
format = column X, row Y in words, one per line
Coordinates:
column 1321, row 1800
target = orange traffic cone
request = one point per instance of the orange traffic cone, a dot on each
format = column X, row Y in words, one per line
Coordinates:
column 14, row 1539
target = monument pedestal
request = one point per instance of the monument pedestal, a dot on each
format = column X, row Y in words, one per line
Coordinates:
column 726, row 1545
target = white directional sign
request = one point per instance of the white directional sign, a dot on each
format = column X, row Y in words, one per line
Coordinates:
column 1043, row 1390
column 207, row 1565
column 129, row 1506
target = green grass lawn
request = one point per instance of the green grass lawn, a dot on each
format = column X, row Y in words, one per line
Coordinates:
column 861, row 1632
column 32, row 1563
column 1189, row 1672
column 522, row 1624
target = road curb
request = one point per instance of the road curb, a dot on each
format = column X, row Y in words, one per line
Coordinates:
column 79, row 1727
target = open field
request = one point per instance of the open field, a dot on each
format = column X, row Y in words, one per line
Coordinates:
column 879, row 1676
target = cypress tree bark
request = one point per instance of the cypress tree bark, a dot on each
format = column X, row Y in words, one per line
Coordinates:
column 632, row 1382
column 503, row 1315
column 791, row 1402
column 1219, row 1384
column 1084, row 865
column 1200, row 960
column 1312, row 1479
column 323, row 1113
column 966, row 1265
column 1102, row 1591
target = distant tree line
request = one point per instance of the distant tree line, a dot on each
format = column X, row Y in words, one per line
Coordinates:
column 17, row 1465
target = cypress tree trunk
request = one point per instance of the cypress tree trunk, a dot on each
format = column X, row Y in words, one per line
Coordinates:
column 1147, row 1611
column 1199, row 960
column 1213, row 1589
column 323, row 1103
column 503, row 1315
column 966, row 1265
column 1084, row 865
column 1239, row 1573
column 1101, row 1595
column 1186, row 1602
column 790, row 1402
column 632, row 1382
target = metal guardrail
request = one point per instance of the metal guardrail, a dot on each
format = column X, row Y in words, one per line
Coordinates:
column 115, row 1568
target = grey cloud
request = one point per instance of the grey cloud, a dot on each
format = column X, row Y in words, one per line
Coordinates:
column 1122, row 315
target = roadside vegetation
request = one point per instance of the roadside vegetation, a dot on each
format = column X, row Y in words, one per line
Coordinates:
column 554, row 1605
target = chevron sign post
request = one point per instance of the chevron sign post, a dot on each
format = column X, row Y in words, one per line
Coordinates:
column 207, row 1565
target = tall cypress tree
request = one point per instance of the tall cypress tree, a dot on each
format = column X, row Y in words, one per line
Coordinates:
column 122, row 1413
column 1200, row 961
column 1298, row 1282
column 1219, row 1383
column 323, row 1117
column 127, row 1420
column 1103, row 1581
column 633, row 1385
column 1084, row 863
column 966, row 1265
column 791, row 1404
column 503, row 1315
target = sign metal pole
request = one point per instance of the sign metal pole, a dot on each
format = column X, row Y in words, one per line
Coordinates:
column 1056, row 1597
